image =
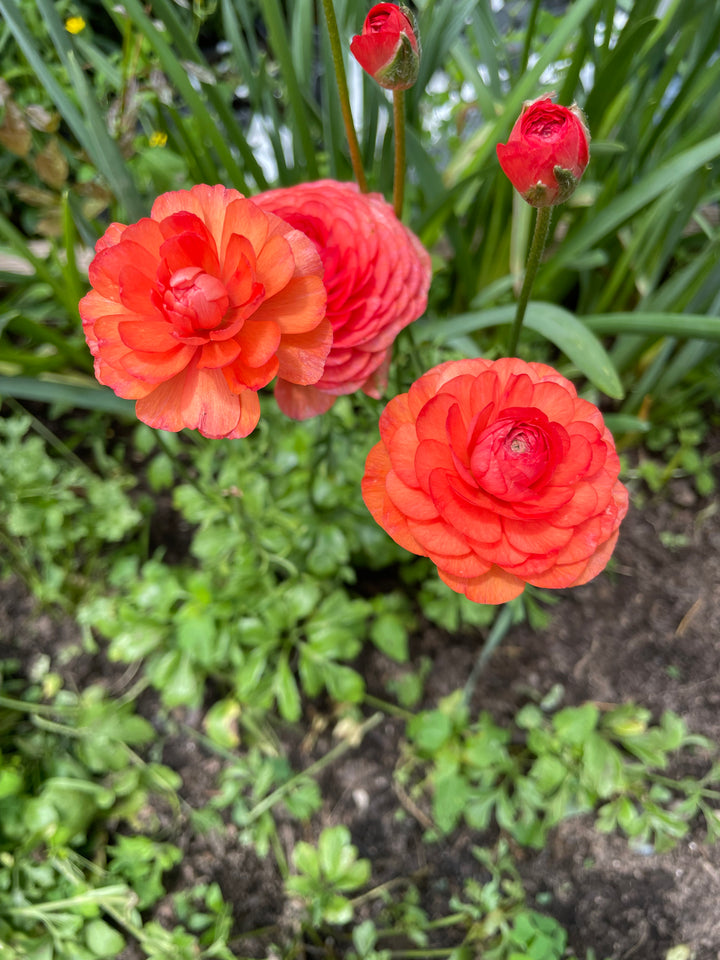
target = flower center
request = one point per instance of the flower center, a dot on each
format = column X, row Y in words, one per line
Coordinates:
column 196, row 301
column 518, row 443
column 509, row 457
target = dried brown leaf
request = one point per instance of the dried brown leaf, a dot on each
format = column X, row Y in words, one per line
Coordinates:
column 32, row 196
column 51, row 165
column 41, row 119
column 15, row 134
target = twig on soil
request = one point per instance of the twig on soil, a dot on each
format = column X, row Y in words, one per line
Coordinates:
column 272, row 798
column 412, row 808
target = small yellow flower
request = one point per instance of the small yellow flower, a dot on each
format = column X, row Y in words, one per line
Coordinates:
column 74, row 24
column 158, row 139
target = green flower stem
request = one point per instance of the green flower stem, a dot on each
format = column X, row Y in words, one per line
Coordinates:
column 500, row 627
column 336, row 48
column 25, row 706
column 392, row 708
column 542, row 227
column 451, row 920
column 337, row 751
column 399, row 177
column 104, row 896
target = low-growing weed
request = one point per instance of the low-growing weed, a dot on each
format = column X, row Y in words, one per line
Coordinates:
column 58, row 517
column 68, row 769
column 549, row 766
column 326, row 873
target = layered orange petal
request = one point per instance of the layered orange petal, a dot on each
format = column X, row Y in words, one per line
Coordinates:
column 202, row 303
column 501, row 475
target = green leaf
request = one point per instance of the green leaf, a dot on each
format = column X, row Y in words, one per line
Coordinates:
column 333, row 847
column 221, row 723
column 306, row 860
column 337, row 909
column 654, row 324
column 74, row 395
column 343, row 683
column 135, row 644
column 389, row 634
column 304, row 800
column 286, row 691
column 176, row 678
column 575, row 724
column 561, row 327
column 548, row 772
column 11, row 782
column 451, row 795
column 364, row 937
column 429, row 730
column 602, row 766
column 103, row 940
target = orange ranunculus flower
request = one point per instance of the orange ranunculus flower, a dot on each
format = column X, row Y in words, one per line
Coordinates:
column 377, row 275
column 499, row 473
column 196, row 307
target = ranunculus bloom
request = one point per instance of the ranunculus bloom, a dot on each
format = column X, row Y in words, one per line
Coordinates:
column 198, row 306
column 377, row 275
column 388, row 47
column 499, row 473
column 546, row 153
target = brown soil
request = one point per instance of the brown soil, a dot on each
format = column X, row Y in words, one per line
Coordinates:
column 647, row 630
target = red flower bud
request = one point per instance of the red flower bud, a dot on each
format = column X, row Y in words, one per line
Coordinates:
column 546, row 153
column 388, row 48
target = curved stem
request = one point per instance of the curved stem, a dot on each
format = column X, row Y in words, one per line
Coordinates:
column 399, row 175
column 542, row 227
column 500, row 627
column 339, row 67
column 331, row 756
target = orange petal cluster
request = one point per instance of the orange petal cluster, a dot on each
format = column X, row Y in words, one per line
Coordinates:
column 196, row 307
column 499, row 473
column 377, row 275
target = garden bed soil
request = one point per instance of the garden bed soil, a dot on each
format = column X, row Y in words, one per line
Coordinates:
column 647, row 630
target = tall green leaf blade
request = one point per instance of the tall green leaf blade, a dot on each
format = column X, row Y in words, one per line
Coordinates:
column 559, row 326
column 684, row 325
column 89, row 129
column 297, row 99
column 210, row 132
column 229, row 129
column 74, row 395
column 652, row 185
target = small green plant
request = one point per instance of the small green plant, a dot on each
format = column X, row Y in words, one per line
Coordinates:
column 249, row 787
column 58, row 517
column 325, row 874
column 499, row 921
column 556, row 765
column 69, row 769
column 675, row 450
column 203, row 910
column 491, row 918
column 265, row 605
column 141, row 862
